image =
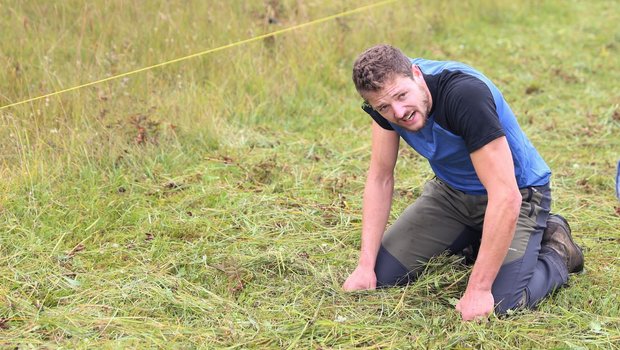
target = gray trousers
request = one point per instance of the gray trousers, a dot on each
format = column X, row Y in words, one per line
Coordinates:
column 443, row 220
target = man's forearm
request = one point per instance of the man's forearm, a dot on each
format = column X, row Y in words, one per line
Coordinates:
column 499, row 226
column 375, row 212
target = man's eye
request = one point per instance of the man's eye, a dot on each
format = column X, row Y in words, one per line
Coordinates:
column 402, row 96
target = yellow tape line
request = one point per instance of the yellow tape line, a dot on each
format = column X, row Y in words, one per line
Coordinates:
column 277, row 32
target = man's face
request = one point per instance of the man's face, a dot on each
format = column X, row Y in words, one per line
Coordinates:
column 403, row 101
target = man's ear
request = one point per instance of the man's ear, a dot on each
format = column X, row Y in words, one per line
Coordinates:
column 416, row 71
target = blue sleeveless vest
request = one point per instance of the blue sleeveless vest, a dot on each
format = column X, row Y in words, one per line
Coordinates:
column 447, row 154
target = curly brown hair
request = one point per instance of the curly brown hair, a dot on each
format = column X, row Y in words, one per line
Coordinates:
column 377, row 65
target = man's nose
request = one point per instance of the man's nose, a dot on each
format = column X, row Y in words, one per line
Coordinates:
column 399, row 111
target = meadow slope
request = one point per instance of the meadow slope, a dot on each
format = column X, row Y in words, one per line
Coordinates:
column 216, row 202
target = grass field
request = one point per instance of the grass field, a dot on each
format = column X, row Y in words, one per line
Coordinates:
column 216, row 202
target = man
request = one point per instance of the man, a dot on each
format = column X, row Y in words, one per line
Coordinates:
column 491, row 187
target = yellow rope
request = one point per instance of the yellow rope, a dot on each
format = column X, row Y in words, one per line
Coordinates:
column 277, row 32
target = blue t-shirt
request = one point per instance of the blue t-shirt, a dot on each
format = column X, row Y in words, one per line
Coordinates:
column 468, row 112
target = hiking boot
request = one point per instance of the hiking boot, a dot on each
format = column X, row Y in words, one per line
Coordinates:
column 557, row 236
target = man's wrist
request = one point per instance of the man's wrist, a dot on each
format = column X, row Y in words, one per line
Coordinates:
column 366, row 262
column 475, row 286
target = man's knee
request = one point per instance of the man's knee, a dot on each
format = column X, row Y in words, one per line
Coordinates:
column 390, row 271
column 511, row 301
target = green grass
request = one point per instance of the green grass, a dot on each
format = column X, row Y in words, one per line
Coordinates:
column 216, row 202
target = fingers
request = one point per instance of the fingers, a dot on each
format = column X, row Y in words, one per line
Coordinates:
column 353, row 285
column 474, row 317
column 479, row 319
column 360, row 279
column 348, row 286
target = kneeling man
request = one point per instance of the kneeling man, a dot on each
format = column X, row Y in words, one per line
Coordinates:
column 490, row 191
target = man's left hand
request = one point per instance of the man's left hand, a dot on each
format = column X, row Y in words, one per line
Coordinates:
column 475, row 305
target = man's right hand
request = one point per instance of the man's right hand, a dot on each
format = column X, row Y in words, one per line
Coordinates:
column 362, row 278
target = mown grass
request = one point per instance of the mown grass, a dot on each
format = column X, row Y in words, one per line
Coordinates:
column 216, row 202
